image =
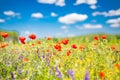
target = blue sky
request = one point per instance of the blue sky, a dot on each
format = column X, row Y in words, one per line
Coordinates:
column 60, row 18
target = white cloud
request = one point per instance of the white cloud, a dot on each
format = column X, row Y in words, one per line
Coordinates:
column 111, row 21
column 11, row 13
column 72, row 18
column 53, row 14
column 56, row 2
column 60, row 2
column 89, row 26
column 47, row 1
column 92, row 26
column 109, row 13
column 115, row 25
column 37, row 15
column 114, row 22
column 93, row 7
column 89, row 2
column 2, row 20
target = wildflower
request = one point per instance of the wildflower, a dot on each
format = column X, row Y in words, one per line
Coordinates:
column 57, row 47
column 58, row 73
column 39, row 42
column 74, row 46
column 33, row 44
column 37, row 51
column 65, row 41
column 32, row 36
column 22, row 39
column 49, row 38
column 104, row 36
column 12, row 75
column 71, row 74
column 68, row 53
column 117, row 66
column 113, row 47
column 82, row 47
column 4, row 34
column 26, row 60
column 47, row 50
column 96, row 38
column 101, row 74
column 95, row 44
column 4, row 45
column 87, row 76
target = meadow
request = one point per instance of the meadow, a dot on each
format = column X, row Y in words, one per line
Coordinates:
column 94, row 57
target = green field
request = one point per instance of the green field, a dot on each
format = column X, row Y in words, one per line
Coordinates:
column 76, row 58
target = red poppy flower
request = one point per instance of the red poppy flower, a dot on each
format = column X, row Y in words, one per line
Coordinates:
column 4, row 45
column 68, row 53
column 74, row 46
column 4, row 34
column 49, row 38
column 104, row 36
column 22, row 40
column 39, row 42
column 33, row 44
column 101, row 74
column 96, row 38
column 32, row 36
column 113, row 47
column 65, row 41
column 57, row 47
column 82, row 47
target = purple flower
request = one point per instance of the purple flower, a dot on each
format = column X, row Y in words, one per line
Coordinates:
column 12, row 75
column 20, row 72
column 43, row 56
column 20, row 57
column 48, row 61
column 87, row 75
column 58, row 73
column 71, row 74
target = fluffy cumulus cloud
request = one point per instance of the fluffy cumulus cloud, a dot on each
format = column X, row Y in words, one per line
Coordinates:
column 53, row 14
column 37, row 15
column 114, row 22
column 72, row 18
column 2, row 20
column 56, row 2
column 11, row 13
column 89, row 26
column 109, row 13
column 89, row 2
